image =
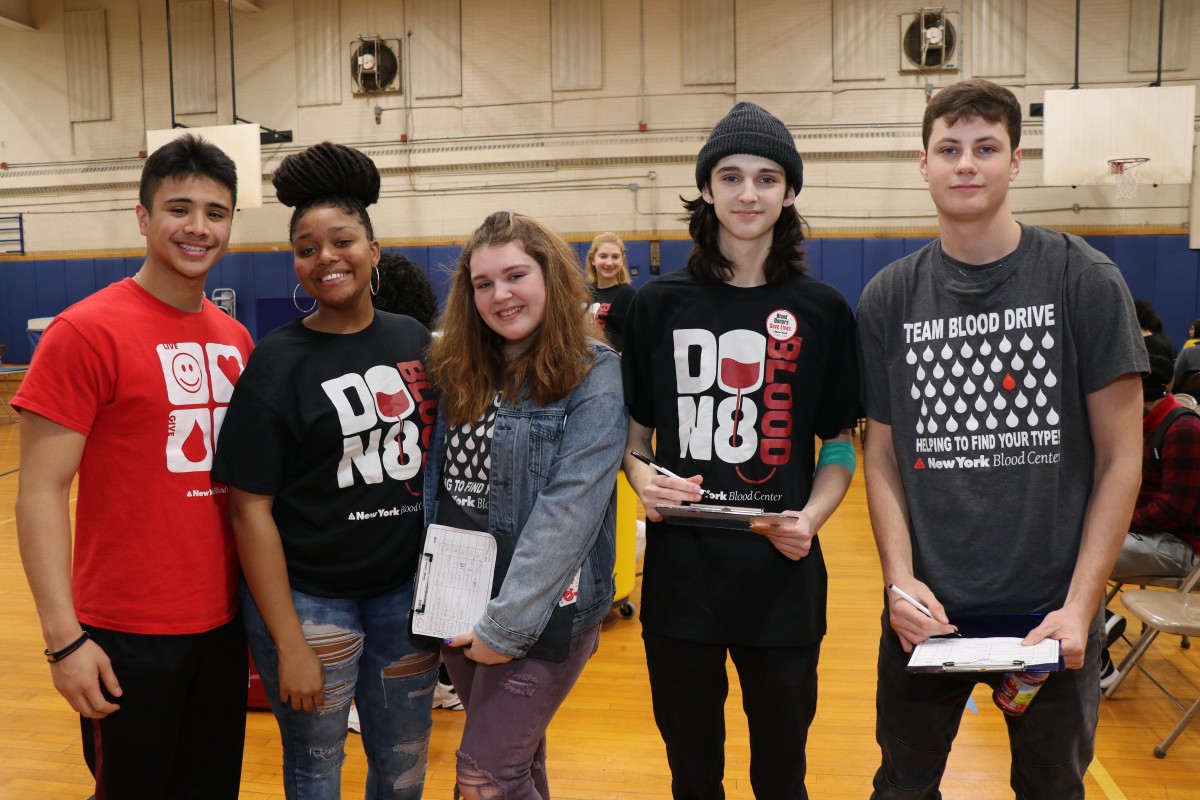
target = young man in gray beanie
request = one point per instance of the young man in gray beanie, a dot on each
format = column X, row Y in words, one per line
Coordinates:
column 759, row 360
column 1002, row 454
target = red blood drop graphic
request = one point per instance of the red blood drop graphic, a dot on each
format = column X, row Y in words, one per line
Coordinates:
column 194, row 449
column 1009, row 382
column 393, row 405
column 738, row 374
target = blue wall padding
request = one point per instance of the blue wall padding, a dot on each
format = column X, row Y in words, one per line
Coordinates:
column 1177, row 286
column 842, row 265
column 1135, row 257
column 1159, row 268
column 637, row 257
column 673, row 255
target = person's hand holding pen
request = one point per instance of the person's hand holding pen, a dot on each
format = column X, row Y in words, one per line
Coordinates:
column 666, row 488
column 915, row 614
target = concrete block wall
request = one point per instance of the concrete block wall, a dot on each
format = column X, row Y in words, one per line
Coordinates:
column 575, row 158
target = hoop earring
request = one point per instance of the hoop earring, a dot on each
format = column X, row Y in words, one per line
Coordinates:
column 296, row 302
column 375, row 273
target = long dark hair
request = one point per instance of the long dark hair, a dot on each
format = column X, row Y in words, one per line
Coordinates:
column 707, row 263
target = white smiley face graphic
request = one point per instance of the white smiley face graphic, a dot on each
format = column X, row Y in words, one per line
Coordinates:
column 186, row 371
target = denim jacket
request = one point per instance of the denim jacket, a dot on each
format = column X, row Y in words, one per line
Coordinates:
column 553, row 485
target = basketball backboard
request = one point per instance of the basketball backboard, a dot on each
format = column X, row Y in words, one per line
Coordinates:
column 240, row 142
column 1086, row 128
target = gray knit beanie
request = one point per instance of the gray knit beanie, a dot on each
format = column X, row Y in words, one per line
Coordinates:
column 751, row 130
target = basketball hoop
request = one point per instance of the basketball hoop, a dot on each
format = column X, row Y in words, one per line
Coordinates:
column 1126, row 171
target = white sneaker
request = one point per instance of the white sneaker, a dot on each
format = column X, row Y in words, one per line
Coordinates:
column 446, row 696
column 1108, row 670
column 352, row 723
column 1114, row 627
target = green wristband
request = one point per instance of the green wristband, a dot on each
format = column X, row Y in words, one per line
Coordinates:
column 840, row 453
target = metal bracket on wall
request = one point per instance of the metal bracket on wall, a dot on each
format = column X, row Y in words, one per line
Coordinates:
column 12, row 224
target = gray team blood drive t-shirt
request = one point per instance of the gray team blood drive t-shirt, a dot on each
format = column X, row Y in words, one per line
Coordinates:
column 982, row 373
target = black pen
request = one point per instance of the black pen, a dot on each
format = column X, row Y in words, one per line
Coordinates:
column 661, row 470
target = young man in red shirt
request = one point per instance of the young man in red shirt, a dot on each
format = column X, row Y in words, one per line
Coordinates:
column 128, row 390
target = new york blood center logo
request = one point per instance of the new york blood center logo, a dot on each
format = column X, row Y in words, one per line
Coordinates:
column 378, row 412
column 199, row 380
column 735, row 395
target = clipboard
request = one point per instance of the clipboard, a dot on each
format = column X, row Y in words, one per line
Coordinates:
column 988, row 643
column 454, row 581
column 738, row 518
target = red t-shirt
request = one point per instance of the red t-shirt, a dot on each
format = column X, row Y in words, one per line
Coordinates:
column 148, row 385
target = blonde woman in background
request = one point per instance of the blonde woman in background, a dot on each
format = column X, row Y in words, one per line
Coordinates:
column 608, row 279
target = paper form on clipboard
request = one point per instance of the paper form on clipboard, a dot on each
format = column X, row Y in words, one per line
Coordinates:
column 993, row 654
column 454, row 581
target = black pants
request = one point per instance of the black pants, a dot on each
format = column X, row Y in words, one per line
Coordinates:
column 689, row 685
column 181, row 728
column 917, row 718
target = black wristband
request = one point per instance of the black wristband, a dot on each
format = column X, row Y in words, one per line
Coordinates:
column 59, row 655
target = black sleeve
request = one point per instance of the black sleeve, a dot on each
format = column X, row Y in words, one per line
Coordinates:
column 252, row 450
column 840, row 401
column 635, row 360
column 615, row 323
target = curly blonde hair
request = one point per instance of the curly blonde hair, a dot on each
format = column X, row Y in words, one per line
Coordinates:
column 467, row 362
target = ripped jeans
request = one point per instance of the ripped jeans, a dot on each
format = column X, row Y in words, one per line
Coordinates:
column 509, row 706
column 369, row 656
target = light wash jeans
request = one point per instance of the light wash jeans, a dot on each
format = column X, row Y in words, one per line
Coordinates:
column 369, row 656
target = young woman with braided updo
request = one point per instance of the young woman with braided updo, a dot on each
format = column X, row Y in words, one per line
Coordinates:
column 322, row 450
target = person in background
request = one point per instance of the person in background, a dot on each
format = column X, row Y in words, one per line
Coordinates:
column 1157, row 342
column 1164, row 535
column 1187, row 366
column 128, row 389
column 732, row 368
column 1000, row 366
column 323, row 451
column 1187, row 372
column 1193, row 337
column 404, row 288
column 610, row 284
column 527, row 448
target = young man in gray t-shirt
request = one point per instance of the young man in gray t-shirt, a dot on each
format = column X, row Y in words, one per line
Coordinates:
column 1000, row 366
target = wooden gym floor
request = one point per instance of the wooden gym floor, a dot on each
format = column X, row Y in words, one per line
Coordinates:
column 603, row 744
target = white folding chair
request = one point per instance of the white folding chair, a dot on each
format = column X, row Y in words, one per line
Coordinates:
column 226, row 300
column 1176, row 613
column 34, row 329
column 1134, row 598
column 5, row 373
column 1115, row 586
